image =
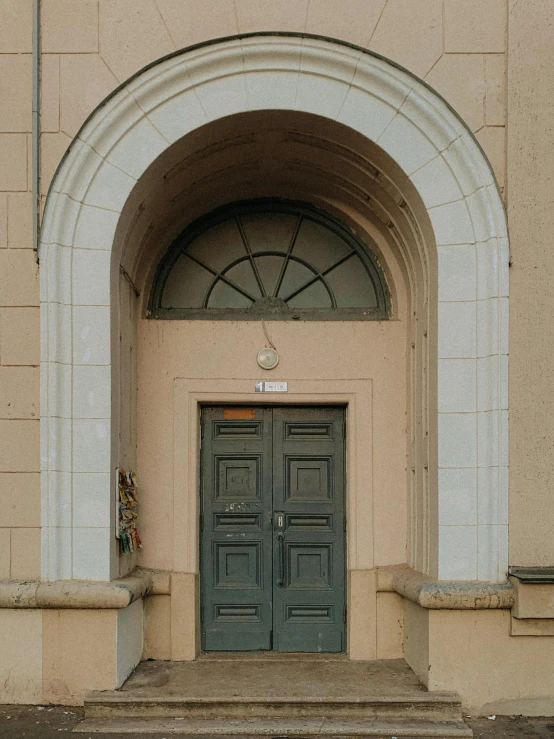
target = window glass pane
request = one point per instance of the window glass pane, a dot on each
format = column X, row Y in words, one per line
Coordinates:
column 269, row 269
column 295, row 276
column 315, row 296
column 242, row 275
column 319, row 246
column 224, row 296
column 269, row 231
column 186, row 285
column 219, row 245
column 351, row 285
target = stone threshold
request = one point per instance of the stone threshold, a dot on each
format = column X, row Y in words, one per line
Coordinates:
column 272, row 656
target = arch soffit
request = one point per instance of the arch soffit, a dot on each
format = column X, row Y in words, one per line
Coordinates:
column 385, row 103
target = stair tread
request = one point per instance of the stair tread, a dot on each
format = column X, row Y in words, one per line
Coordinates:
column 225, row 690
column 120, row 696
column 268, row 727
column 340, row 679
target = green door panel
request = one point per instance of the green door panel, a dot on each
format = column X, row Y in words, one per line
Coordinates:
column 273, row 541
column 308, row 486
column 236, row 536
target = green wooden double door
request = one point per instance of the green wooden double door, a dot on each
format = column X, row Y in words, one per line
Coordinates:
column 273, row 529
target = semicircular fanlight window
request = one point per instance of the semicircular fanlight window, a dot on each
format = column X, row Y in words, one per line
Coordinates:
column 270, row 259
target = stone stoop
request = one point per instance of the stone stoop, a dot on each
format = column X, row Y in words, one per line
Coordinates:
column 276, row 698
column 426, row 706
column 279, row 728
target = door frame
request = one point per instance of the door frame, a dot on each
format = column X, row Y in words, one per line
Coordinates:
column 353, row 394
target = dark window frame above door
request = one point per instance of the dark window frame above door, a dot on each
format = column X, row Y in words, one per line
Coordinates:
column 371, row 299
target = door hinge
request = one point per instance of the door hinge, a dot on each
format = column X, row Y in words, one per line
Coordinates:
column 345, row 614
column 344, row 524
column 201, row 614
column 201, row 522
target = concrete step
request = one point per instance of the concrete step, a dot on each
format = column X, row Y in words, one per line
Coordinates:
column 296, row 698
column 111, row 704
column 308, row 688
column 257, row 728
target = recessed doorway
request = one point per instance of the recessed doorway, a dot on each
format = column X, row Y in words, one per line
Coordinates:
column 273, row 529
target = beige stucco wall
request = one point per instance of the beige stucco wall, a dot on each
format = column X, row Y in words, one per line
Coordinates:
column 324, row 351
column 531, row 222
column 19, row 312
column 499, row 673
column 39, row 648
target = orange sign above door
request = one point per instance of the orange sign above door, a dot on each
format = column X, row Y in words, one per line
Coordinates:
column 234, row 414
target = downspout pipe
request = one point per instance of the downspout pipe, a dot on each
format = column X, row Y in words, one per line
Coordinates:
column 36, row 129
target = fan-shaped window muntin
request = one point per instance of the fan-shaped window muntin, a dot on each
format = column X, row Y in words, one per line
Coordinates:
column 269, row 259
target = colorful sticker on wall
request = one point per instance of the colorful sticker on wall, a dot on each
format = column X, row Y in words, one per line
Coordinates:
column 129, row 539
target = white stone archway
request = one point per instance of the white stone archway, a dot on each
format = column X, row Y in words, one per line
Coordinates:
column 79, row 271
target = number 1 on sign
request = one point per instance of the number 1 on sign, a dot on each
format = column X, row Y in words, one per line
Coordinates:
column 271, row 387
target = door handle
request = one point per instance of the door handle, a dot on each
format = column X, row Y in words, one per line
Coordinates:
column 281, row 578
column 279, row 524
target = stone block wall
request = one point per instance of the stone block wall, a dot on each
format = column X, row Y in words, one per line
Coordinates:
column 19, row 301
column 89, row 47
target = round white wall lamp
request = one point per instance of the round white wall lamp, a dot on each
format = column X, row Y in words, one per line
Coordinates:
column 268, row 358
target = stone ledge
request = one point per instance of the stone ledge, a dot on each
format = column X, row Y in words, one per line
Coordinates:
column 76, row 593
column 447, row 594
column 161, row 580
column 401, row 579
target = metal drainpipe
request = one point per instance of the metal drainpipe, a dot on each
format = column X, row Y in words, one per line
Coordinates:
column 36, row 125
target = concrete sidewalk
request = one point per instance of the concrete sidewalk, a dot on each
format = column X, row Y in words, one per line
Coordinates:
column 47, row 722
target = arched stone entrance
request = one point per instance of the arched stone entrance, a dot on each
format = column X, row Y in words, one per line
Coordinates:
column 458, row 296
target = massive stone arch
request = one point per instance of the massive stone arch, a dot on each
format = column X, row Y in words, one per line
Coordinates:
column 79, row 273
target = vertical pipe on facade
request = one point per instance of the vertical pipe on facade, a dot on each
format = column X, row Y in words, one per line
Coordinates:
column 36, row 125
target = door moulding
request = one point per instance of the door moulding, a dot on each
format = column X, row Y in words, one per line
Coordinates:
column 356, row 395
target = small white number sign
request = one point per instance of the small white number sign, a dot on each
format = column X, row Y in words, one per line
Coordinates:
column 272, row 387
